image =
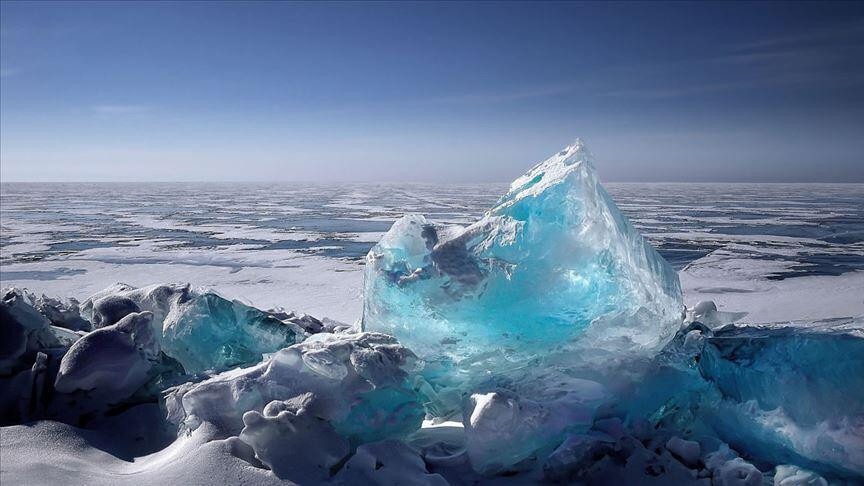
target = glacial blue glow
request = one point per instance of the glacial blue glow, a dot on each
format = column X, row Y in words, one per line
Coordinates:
column 553, row 265
column 208, row 332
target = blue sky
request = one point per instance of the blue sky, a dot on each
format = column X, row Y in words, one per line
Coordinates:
column 430, row 91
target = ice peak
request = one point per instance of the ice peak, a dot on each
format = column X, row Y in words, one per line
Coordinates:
column 574, row 158
column 575, row 152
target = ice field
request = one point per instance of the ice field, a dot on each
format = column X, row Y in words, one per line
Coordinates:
column 693, row 334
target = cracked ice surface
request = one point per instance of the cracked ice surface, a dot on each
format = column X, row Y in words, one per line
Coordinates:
column 553, row 265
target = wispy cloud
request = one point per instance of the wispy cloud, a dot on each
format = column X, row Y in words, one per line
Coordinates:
column 821, row 57
column 6, row 72
column 678, row 91
column 119, row 109
column 845, row 31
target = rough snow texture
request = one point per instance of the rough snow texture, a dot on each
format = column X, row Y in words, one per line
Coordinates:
column 386, row 463
column 295, row 443
column 358, row 382
column 553, row 266
column 113, row 361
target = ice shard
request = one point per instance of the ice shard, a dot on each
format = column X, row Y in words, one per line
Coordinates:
column 553, row 266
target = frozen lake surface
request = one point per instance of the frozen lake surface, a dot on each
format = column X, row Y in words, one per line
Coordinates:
column 778, row 251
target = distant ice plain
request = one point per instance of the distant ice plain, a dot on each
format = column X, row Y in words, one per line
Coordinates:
column 778, row 251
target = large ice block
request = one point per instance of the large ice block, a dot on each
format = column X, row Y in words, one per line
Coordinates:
column 554, row 265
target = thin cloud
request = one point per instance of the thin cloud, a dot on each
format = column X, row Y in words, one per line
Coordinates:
column 675, row 92
column 836, row 33
column 6, row 72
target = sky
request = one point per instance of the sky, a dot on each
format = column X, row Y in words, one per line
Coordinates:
column 437, row 92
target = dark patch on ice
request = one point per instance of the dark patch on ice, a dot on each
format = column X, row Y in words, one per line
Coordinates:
column 329, row 247
column 41, row 274
column 79, row 245
column 722, row 290
column 329, row 225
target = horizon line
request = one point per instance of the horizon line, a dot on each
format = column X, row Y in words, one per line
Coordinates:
column 307, row 181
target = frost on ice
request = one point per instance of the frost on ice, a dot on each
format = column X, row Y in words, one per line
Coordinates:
column 553, row 265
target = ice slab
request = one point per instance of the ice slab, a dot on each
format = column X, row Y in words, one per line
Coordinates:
column 553, row 266
column 789, row 394
column 208, row 332
column 198, row 328
column 782, row 395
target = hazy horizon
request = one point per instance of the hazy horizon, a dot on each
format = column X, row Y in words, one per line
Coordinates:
column 429, row 92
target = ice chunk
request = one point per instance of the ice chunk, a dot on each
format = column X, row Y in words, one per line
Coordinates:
column 200, row 329
column 111, row 308
column 552, row 266
column 706, row 313
column 158, row 299
column 293, row 441
column 111, row 362
column 386, row 463
column 737, row 472
column 207, row 332
column 594, row 458
column 687, row 451
column 21, row 397
column 62, row 314
column 359, row 381
column 575, row 454
column 795, row 476
column 780, row 395
column 502, row 429
column 23, row 332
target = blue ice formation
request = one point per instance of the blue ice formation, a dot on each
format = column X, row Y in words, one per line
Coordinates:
column 789, row 394
column 553, row 266
column 207, row 332
column 200, row 329
column 783, row 395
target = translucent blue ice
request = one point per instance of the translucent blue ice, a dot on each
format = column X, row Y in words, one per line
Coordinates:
column 789, row 395
column 207, row 332
column 792, row 395
column 554, row 265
